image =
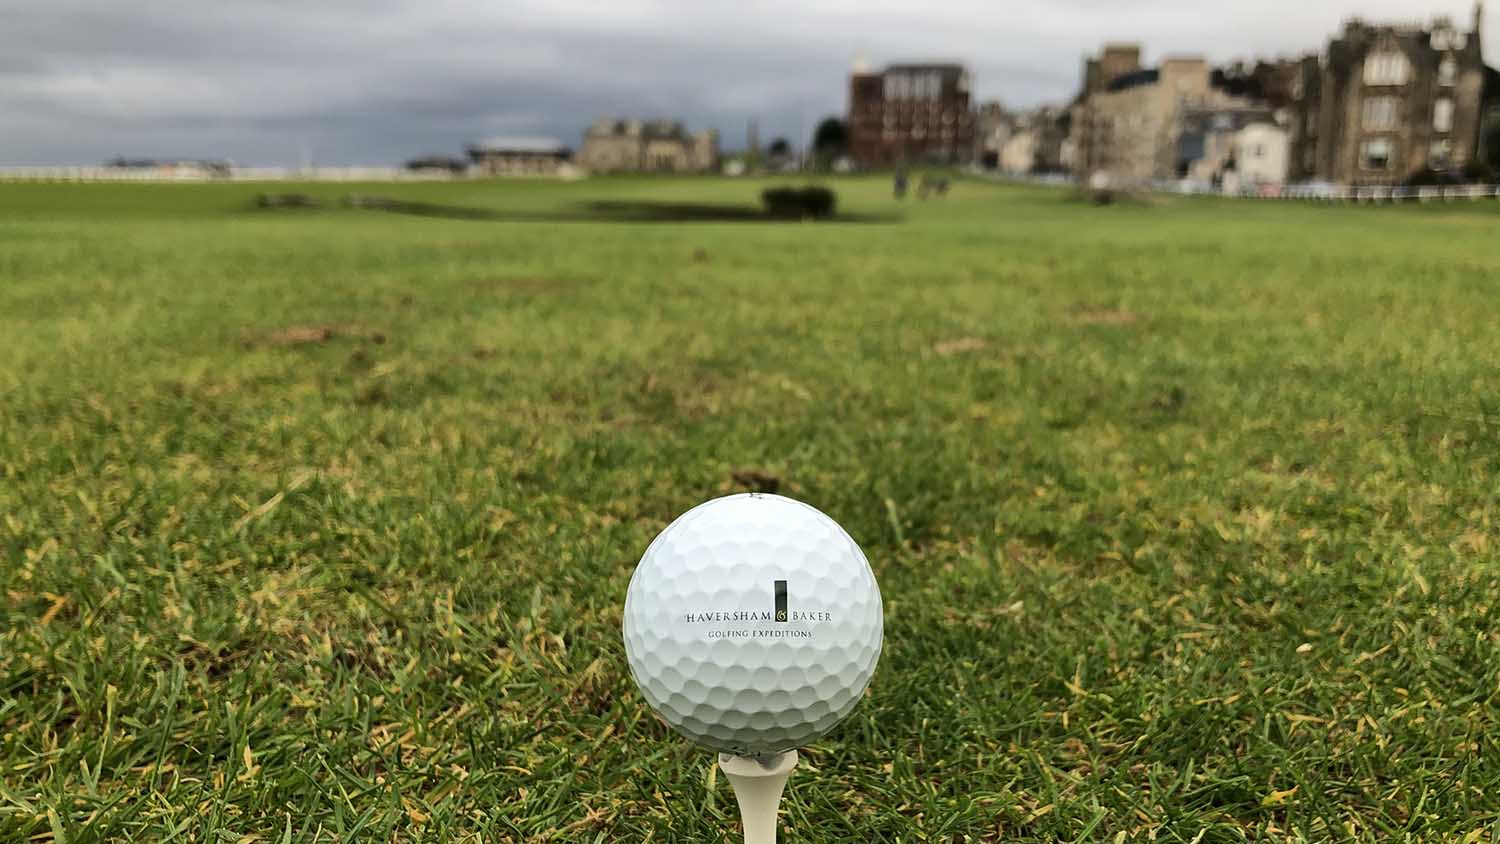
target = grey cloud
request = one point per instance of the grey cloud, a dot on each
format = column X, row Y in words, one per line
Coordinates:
column 364, row 81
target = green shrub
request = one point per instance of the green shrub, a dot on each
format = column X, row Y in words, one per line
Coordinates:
column 799, row 203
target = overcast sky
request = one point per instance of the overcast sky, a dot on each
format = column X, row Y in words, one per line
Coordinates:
column 378, row 81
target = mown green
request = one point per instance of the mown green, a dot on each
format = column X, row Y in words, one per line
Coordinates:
column 315, row 525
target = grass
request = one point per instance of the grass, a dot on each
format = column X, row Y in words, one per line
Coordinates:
column 316, row 525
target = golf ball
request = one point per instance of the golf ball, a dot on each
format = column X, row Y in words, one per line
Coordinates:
column 753, row 624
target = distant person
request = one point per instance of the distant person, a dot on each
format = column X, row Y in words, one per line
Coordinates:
column 924, row 187
column 898, row 183
column 942, row 186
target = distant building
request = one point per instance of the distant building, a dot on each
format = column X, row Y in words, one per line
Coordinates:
column 911, row 113
column 1132, row 124
column 1038, row 142
column 438, row 164
column 992, row 129
column 647, row 146
column 1125, row 126
column 1113, row 62
column 1262, row 153
column 1271, row 84
column 175, row 168
column 1489, row 124
column 1232, row 147
column 519, row 156
column 1018, row 155
column 1390, row 100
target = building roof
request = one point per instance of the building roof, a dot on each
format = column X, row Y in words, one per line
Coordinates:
column 949, row 70
column 154, row 163
column 651, row 130
column 1422, row 43
column 1224, row 119
column 1149, row 76
column 533, row 144
column 925, row 66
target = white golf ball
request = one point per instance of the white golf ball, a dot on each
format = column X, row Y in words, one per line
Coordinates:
column 753, row 624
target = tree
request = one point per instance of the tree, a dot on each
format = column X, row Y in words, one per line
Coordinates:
column 830, row 141
column 831, row 138
column 779, row 148
column 1489, row 152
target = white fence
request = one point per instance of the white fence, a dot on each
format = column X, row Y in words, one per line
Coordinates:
column 1342, row 193
column 1316, row 192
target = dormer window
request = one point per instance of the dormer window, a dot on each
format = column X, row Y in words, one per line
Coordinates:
column 1448, row 38
column 1388, row 68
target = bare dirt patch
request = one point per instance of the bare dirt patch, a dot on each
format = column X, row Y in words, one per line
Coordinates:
column 949, row 348
column 316, row 334
column 755, row 480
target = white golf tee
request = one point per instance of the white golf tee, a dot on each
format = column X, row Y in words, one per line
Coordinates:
column 758, row 781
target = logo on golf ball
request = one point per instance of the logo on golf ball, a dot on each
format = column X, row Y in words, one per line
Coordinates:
column 779, row 615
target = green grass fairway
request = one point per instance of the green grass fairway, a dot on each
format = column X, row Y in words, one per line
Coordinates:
column 315, row 525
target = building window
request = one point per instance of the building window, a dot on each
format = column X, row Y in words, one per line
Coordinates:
column 1439, row 152
column 1388, row 68
column 934, row 86
column 1447, row 72
column 1376, row 154
column 1448, row 38
column 1442, row 115
column 1380, row 113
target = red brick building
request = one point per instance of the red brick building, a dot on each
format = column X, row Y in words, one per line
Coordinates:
column 909, row 114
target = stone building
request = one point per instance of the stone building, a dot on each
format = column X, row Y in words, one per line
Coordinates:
column 1241, row 140
column 993, row 126
column 1232, row 147
column 518, row 156
column 1133, row 125
column 1387, row 101
column 1489, row 124
column 1038, row 142
column 1127, row 120
column 1262, row 152
column 1113, row 62
column 911, row 113
column 647, row 146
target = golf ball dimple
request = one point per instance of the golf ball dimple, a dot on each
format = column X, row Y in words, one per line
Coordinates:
column 753, row 624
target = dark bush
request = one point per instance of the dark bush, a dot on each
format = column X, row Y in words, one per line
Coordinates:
column 1111, row 196
column 1428, row 177
column 1479, row 173
column 286, row 200
column 356, row 200
column 799, row 203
